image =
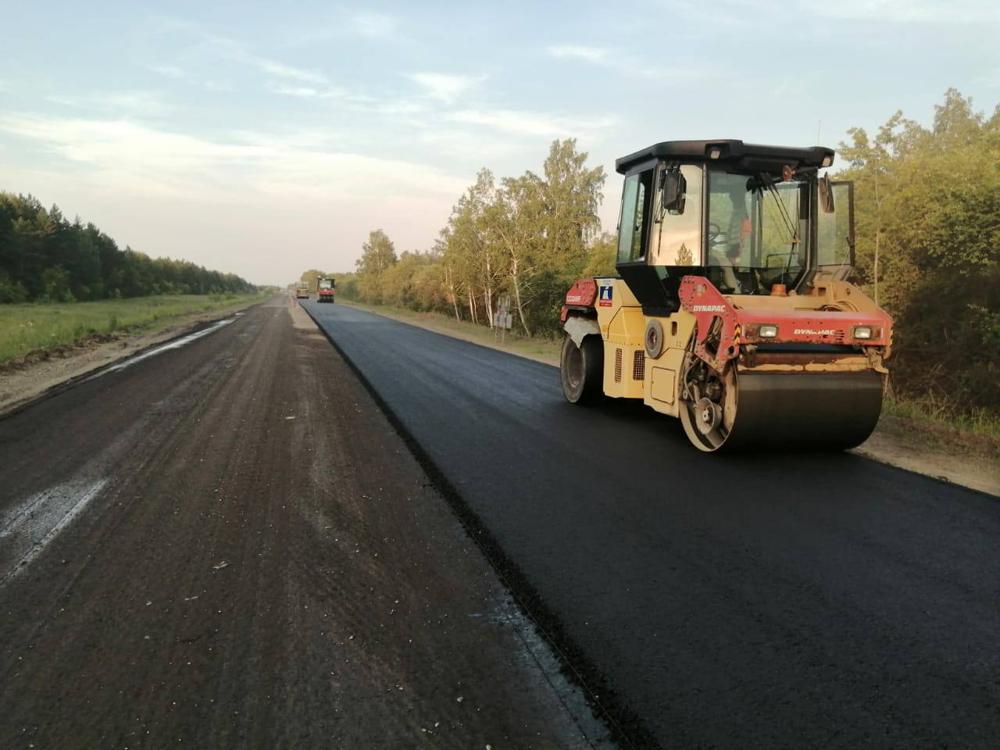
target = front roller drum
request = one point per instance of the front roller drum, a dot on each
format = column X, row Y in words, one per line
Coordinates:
column 835, row 410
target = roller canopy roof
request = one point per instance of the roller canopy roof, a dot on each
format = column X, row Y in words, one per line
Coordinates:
column 742, row 156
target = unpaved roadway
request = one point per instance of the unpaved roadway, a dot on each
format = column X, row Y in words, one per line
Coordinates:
column 227, row 545
column 762, row 600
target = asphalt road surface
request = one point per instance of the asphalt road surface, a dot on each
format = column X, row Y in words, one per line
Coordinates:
column 771, row 600
column 228, row 545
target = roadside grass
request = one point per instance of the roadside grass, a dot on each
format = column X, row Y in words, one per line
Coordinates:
column 930, row 419
column 921, row 421
column 31, row 327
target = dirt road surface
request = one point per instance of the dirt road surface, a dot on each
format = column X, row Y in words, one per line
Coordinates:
column 757, row 600
column 227, row 545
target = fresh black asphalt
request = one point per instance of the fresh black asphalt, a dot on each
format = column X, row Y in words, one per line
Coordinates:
column 770, row 599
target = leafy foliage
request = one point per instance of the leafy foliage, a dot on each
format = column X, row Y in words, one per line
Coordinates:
column 378, row 255
column 928, row 223
column 526, row 238
column 45, row 258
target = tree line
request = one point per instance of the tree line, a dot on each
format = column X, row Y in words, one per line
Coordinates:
column 526, row 238
column 46, row 258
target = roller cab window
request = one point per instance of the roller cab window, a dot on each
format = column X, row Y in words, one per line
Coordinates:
column 834, row 227
column 677, row 228
column 758, row 232
column 633, row 224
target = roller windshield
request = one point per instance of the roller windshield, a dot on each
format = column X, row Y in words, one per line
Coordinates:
column 757, row 232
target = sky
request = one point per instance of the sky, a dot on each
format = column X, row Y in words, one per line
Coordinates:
column 265, row 139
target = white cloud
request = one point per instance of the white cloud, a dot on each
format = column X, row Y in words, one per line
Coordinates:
column 761, row 13
column 596, row 55
column 228, row 49
column 135, row 103
column 624, row 64
column 170, row 71
column 176, row 73
column 389, row 108
column 442, row 87
column 373, row 25
column 537, row 124
column 281, row 70
column 911, row 11
column 235, row 51
column 340, row 23
column 353, row 101
column 132, row 156
column 459, row 144
column 302, row 92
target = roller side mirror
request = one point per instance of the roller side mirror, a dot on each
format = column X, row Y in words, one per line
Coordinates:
column 673, row 188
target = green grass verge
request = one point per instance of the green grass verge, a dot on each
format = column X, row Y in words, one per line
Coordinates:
column 34, row 327
column 978, row 430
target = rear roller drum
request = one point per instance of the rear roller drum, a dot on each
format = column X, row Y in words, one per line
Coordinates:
column 581, row 370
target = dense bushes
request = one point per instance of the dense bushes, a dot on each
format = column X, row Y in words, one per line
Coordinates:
column 928, row 220
column 44, row 257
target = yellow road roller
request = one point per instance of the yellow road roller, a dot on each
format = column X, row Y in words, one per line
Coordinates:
column 733, row 307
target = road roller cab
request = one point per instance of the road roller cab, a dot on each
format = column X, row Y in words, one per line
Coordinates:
column 327, row 289
column 732, row 308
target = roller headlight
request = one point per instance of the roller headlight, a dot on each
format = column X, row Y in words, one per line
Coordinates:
column 862, row 332
column 767, row 331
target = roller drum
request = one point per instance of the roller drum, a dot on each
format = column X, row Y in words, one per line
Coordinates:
column 798, row 410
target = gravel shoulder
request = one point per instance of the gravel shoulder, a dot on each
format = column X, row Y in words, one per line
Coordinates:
column 260, row 562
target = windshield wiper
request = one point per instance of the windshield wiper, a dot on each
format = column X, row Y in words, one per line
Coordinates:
column 793, row 231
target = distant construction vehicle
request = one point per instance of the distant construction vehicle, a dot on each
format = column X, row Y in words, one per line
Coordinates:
column 327, row 289
column 302, row 290
column 732, row 308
